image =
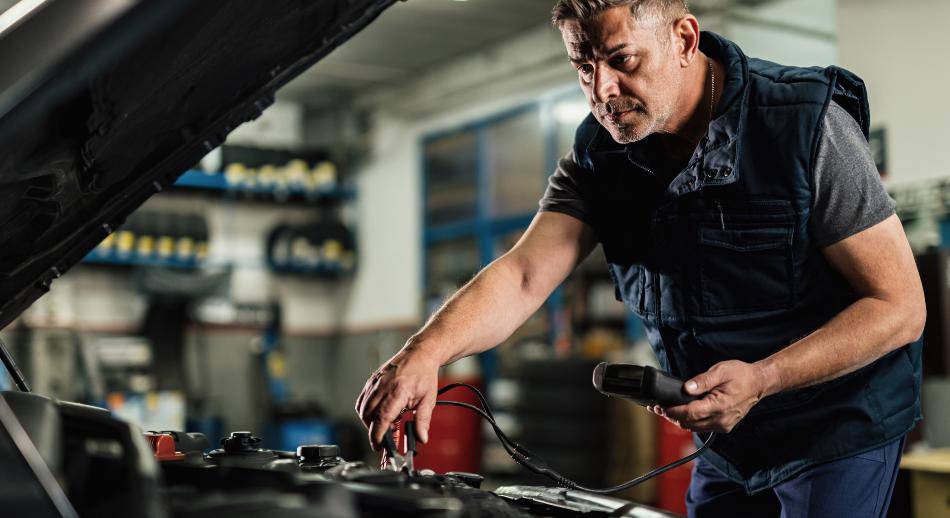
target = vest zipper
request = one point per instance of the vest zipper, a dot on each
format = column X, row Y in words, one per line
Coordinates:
column 722, row 217
column 656, row 292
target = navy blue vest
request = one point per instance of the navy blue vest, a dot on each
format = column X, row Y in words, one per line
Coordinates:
column 720, row 264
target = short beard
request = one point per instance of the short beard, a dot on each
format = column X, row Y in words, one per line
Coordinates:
column 629, row 134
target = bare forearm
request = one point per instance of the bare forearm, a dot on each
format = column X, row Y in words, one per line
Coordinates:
column 481, row 315
column 859, row 335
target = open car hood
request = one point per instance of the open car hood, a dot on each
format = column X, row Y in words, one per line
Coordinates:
column 104, row 103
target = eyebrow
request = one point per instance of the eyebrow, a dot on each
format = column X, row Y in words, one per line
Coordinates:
column 610, row 52
column 616, row 48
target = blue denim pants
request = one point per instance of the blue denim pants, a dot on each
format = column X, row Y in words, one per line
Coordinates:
column 858, row 486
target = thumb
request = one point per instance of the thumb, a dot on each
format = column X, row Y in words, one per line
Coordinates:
column 424, row 417
column 703, row 383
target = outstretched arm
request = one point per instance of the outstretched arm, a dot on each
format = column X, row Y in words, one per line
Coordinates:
column 478, row 317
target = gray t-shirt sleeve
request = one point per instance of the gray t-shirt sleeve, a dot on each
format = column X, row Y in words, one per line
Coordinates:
column 569, row 191
column 849, row 196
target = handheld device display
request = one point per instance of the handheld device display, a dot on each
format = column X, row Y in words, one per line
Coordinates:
column 643, row 385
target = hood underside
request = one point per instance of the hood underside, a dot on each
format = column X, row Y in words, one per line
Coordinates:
column 106, row 102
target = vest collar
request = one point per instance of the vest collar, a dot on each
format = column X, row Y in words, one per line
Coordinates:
column 714, row 161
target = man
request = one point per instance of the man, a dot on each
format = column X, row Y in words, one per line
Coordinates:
column 743, row 220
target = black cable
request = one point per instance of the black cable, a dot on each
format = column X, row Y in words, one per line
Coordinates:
column 537, row 465
column 481, row 397
column 505, row 442
column 13, row 370
column 490, row 417
column 656, row 472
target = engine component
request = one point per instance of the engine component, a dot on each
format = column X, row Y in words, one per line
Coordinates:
column 318, row 456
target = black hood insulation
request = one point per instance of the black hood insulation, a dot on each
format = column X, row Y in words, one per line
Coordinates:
column 134, row 106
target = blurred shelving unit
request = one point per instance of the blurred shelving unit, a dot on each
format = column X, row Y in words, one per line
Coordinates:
column 271, row 191
column 238, row 188
column 321, row 271
column 97, row 257
column 102, row 259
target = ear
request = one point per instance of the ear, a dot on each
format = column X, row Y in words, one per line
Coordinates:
column 685, row 39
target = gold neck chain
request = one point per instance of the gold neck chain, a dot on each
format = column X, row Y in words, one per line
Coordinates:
column 712, row 96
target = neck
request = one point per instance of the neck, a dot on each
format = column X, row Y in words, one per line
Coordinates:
column 688, row 125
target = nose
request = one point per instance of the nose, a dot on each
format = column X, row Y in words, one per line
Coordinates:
column 604, row 87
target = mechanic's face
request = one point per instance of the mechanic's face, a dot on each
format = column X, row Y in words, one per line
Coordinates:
column 628, row 69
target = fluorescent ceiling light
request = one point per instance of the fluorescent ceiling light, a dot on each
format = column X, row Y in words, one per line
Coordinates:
column 18, row 12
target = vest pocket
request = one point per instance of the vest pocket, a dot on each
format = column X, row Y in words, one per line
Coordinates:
column 628, row 286
column 744, row 270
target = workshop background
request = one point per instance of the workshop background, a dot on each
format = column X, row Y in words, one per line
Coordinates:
column 261, row 291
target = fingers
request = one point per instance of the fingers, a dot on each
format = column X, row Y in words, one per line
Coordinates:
column 367, row 387
column 662, row 414
column 424, row 416
column 658, row 410
column 380, row 385
column 694, row 411
column 372, row 432
column 717, row 423
column 711, row 424
column 705, row 382
column 371, row 402
column 724, row 403
column 388, row 410
column 404, row 382
column 702, row 415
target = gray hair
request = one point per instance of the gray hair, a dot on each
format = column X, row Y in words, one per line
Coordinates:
column 584, row 10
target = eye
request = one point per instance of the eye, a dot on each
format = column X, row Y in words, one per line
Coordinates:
column 621, row 61
column 585, row 69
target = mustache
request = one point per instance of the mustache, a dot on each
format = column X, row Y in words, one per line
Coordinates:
column 615, row 106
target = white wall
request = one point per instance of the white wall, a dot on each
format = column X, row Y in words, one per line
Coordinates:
column 280, row 126
column 790, row 32
column 901, row 51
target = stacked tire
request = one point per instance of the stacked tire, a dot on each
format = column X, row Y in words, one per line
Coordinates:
column 556, row 413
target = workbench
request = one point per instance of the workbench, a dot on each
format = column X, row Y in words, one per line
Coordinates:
column 930, row 482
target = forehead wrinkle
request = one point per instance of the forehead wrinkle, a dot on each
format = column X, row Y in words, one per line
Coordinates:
column 581, row 46
column 578, row 43
column 579, row 50
column 604, row 35
column 608, row 48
